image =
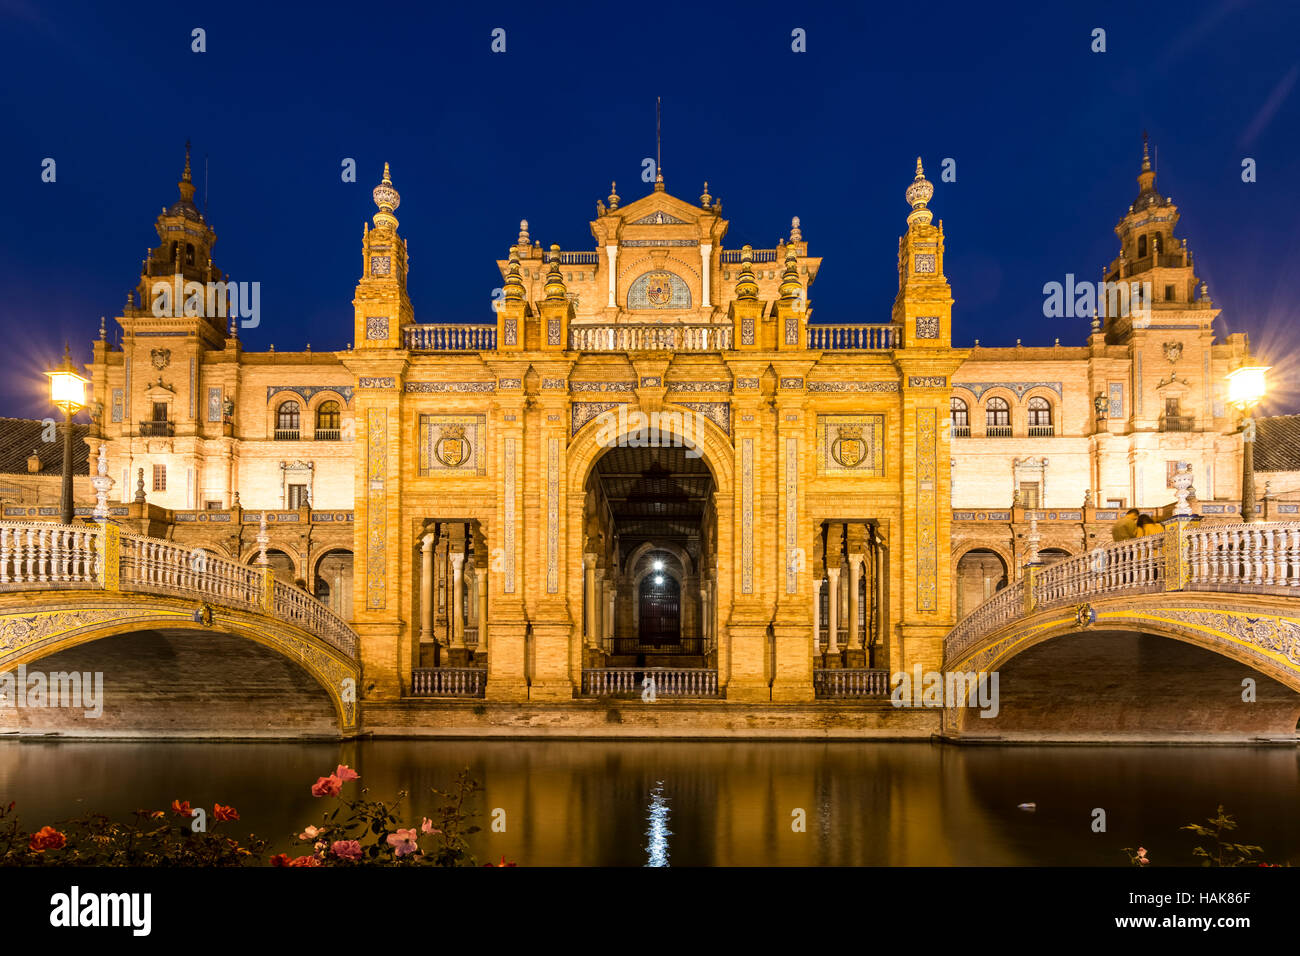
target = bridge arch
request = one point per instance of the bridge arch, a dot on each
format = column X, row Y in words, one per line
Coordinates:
column 31, row 630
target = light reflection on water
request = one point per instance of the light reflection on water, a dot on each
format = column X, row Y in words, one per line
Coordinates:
column 595, row 803
column 658, row 832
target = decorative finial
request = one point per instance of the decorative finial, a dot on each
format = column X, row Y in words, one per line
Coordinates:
column 918, row 194
column 791, row 288
column 705, row 198
column 514, row 287
column 554, row 287
column 796, row 234
column 103, row 332
column 186, row 176
column 101, row 483
column 139, row 486
column 1096, row 321
column 746, row 287
column 1146, row 155
column 387, row 199
column 263, row 539
column 612, row 197
column 523, row 239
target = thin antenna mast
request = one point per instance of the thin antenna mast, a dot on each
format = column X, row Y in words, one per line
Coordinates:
column 659, row 157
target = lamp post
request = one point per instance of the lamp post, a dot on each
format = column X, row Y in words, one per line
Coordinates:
column 68, row 392
column 1246, row 388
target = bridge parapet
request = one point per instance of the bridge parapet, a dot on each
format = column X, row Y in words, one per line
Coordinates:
column 1257, row 558
column 44, row 556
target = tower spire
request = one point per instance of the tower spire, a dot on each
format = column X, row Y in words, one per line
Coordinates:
column 186, row 185
column 659, row 156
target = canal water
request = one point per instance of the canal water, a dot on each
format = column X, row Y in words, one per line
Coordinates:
column 709, row 804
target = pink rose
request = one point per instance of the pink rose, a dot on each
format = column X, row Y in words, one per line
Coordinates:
column 346, row 773
column 427, row 826
column 403, row 842
column 327, row 787
column 308, row 834
column 346, row 849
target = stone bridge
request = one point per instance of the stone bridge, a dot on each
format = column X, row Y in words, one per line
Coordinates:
column 62, row 586
column 1107, row 622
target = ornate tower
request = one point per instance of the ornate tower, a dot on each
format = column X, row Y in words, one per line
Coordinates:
column 923, row 308
column 382, row 304
column 183, row 255
column 1153, row 303
column 1150, row 256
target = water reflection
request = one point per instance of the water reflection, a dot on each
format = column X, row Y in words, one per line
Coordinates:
column 708, row 804
column 658, row 831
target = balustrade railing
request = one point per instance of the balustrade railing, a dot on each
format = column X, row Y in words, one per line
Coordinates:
column 759, row 255
column 1256, row 557
column 854, row 337
column 634, row 645
column 40, row 555
column 667, row 681
column 450, row 337
column 850, row 682
column 1006, row 605
column 1136, row 565
column 449, row 681
column 644, row 337
column 294, row 605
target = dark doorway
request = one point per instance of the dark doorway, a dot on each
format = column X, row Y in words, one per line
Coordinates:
column 660, row 612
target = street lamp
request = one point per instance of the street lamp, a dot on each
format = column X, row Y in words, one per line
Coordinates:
column 1246, row 388
column 68, row 392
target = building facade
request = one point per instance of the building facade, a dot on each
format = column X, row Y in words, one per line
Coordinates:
column 651, row 456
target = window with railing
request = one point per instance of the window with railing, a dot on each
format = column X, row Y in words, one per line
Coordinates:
column 960, row 418
column 997, row 418
column 1173, row 420
column 328, row 421
column 1040, row 418
column 287, row 420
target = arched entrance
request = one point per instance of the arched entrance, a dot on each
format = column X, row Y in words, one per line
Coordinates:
column 649, row 545
column 981, row 573
column 333, row 581
column 659, row 610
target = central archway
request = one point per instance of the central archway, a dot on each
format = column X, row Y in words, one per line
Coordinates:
column 635, row 498
column 659, row 602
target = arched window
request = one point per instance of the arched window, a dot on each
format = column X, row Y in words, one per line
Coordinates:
column 960, row 418
column 1142, row 246
column 328, row 421
column 997, row 419
column 286, row 421
column 1040, row 417
column 175, row 246
column 189, row 253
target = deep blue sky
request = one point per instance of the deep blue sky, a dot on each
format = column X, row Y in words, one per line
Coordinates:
column 1046, row 135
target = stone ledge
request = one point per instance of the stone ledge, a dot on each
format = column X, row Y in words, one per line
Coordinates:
column 664, row 720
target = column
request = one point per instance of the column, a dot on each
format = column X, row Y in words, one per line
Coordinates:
column 611, row 595
column 598, row 608
column 589, row 588
column 855, row 578
column 833, row 606
column 705, row 249
column 612, row 253
column 426, row 589
column 480, row 575
column 457, row 600
column 704, row 618
column 817, row 618
column 440, row 585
